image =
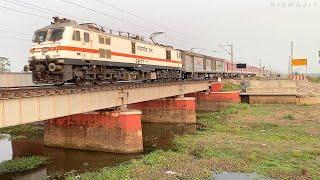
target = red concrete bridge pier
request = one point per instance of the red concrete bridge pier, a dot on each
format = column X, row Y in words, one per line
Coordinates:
column 214, row 99
column 117, row 131
column 173, row 110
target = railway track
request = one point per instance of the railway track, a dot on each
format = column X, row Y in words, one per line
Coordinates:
column 47, row 90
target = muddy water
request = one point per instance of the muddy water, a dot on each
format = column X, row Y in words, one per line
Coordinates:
column 155, row 136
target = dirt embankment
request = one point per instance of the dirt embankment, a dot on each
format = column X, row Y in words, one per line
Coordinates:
column 308, row 89
column 301, row 88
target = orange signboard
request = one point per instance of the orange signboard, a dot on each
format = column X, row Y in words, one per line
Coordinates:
column 299, row 62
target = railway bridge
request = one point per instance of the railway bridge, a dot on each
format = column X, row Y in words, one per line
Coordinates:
column 105, row 117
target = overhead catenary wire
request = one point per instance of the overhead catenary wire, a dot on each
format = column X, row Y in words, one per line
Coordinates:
column 13, row 32
column 24, row 12
column 145, row 19
column 102, row 13
column 50, row 12
column 42, row 9
column 119, row 19
column 16, row 38
column 32, row 14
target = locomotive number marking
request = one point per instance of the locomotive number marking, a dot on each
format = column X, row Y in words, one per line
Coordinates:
column 140, row 61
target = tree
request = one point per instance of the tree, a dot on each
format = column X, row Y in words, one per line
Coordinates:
column 25, row 68
column 4, row 65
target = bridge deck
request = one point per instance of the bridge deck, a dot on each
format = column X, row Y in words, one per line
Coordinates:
column 27, row 105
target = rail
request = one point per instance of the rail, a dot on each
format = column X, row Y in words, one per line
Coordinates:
column 38, row 91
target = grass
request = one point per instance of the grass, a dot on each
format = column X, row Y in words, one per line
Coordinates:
column 288, row 117
column 22, row 164
column 231, row 87
column 242, row 138
column 314, row 79
column 26, row 131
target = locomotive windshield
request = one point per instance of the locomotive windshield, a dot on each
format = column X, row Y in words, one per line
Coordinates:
column 48, row 35
column 40, row 36
column 55, row 34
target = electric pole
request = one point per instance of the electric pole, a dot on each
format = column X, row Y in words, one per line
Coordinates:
column 231, row 52
column 270, row 70
column 289, row 65
column 260, row 63
column 292, row 51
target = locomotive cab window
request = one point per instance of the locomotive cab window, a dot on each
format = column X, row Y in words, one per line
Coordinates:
column 178, row 55
column 133, row 47
column 168, row 54
column 56, row 34
column 40, row 36
column 86, row 37
column 101, row 39
column 108, row 41
column 76, row 35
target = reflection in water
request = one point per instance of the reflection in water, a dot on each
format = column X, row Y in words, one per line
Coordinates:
column 156, row 136
column 22, row 148
column 6, row 148
column 160, row 136
column 67, row 160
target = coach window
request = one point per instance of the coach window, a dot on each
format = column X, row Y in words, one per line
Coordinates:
column 76, row 35
column 108, row 41
column 101, row 39
column 133, row 47
column 168, row 54
column 86, row 37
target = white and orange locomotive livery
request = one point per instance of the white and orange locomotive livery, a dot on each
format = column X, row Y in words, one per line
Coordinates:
column 78, row 53
column 69, row 52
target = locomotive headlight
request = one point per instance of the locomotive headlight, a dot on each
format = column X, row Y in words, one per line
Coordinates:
column 48, row 57
column 52, row 67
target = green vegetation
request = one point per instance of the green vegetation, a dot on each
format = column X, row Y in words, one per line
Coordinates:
column 231, row 87
column 288, row 117
column 2, row 136
column 22, row 164
column 243, row 138
column 26, row 131
column 314, row 79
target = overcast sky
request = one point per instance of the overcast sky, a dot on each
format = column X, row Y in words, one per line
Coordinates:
column 259, row 29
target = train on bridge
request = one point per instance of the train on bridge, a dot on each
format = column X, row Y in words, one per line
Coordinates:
column 66, row 51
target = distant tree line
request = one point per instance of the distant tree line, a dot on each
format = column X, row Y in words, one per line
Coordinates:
column 5, row 65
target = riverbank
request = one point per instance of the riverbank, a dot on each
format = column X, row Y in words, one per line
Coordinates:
column 277, row 141
column 22, row 164
column 19, row 142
